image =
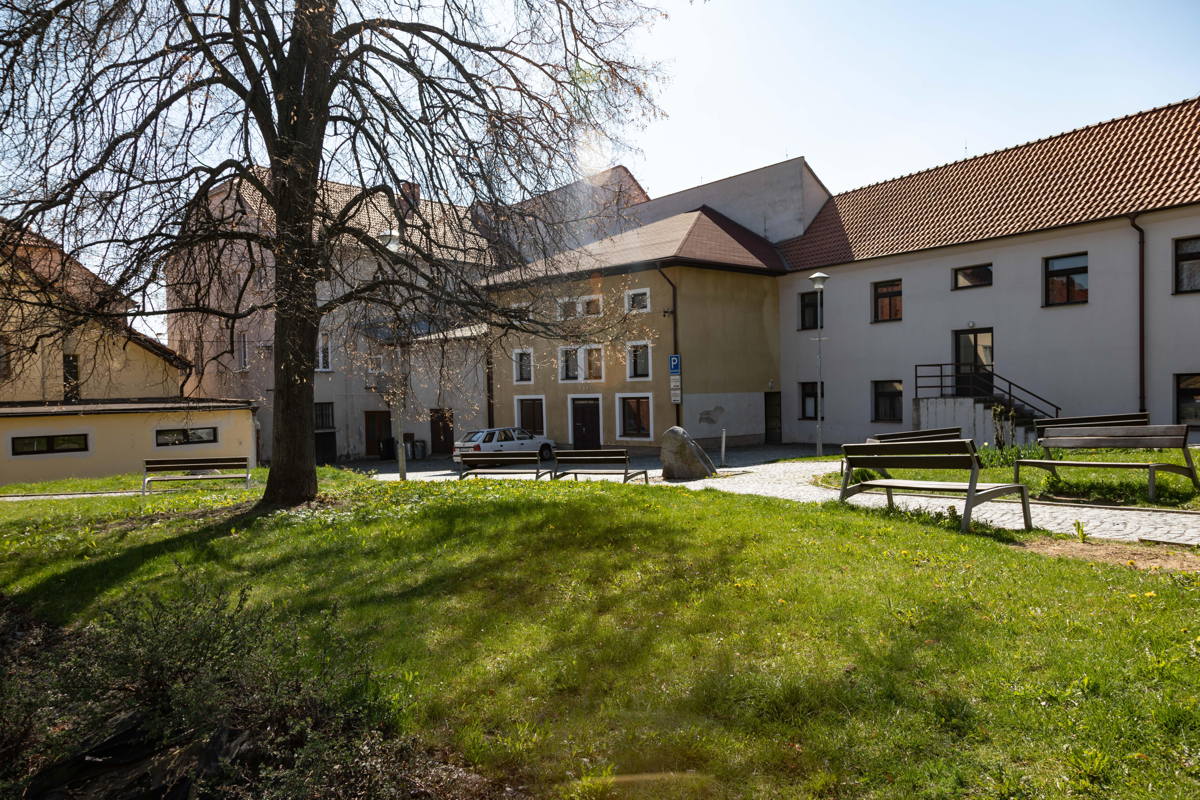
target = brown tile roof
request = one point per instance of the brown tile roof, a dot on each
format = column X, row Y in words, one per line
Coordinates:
column 1143, row 162
column 704, row 235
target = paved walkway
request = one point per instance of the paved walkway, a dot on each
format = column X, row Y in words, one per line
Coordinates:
column 753, row 471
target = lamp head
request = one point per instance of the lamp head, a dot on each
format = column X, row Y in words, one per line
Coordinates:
column 818, row 280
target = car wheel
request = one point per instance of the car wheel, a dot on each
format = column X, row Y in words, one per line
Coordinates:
column 545, row 453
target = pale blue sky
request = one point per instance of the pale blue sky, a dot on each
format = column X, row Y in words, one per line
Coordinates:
column 870, row 90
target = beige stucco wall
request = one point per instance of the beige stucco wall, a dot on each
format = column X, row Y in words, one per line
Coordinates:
column 728, row 341
column 110, row 367
column 119, row 443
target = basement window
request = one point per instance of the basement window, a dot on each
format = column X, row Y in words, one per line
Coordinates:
column 41, row 445
column 170, row 437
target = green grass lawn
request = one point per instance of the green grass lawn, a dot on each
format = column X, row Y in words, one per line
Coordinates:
column 1108, row 486
column 133, row 482
column 599, row 640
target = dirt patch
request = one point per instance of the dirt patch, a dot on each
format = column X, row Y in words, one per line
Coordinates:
column 1137, row 556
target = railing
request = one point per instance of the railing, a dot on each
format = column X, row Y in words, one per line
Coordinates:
column 973, row 380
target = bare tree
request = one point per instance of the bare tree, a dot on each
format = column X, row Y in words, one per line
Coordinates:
column 200, row 133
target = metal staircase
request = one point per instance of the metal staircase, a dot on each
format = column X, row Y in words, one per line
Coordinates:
column 982, row 385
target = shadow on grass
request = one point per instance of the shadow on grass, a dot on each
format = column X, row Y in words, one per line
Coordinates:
column 63, row 595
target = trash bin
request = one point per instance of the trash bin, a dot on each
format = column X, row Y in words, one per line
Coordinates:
column 387, row 448
column 419, row 449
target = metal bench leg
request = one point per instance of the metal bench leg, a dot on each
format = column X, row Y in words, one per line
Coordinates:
column 1153, row 476
column 968, row 507
column 1016, row 473
column 891, row 501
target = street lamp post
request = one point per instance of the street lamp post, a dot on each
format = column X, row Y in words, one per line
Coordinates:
column 818, row 281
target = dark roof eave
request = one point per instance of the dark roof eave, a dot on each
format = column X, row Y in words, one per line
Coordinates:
column 638, row 266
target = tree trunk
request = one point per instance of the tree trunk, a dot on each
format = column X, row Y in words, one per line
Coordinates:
column 293, row 476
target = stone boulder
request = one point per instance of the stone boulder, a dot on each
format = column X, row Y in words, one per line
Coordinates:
column 683, row 459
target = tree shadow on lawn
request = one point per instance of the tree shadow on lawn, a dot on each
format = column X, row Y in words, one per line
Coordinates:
column 62, row 596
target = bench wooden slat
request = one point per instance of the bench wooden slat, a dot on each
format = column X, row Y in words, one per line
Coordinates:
column 941, row 486
column 1103, row 420
column 1115, row 442
column 910, row 462
column 917, row 435
column 1038, row 462
column 939, row 447
column 1077, row 431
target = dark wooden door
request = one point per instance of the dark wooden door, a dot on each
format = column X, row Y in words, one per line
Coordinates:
column 377, row 426
column 326, row 447
column 441, row 430
column 773, row 414
column 585, row 423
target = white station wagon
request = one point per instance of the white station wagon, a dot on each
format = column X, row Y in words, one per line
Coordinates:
column 503, row 440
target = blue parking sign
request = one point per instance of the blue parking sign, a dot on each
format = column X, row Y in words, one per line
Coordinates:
column 673, row 364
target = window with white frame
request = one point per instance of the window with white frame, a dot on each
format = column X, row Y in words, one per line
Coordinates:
column 581, row 363
column 588, row 306
column 637, row 361
column 242, row 351
column 637, row 300
column 323, row 352
column 568, row 363
column 633, row 416
column 523, row 366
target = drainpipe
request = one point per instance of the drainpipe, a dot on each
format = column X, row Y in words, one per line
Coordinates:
column 1141, row 312
column 674, row 334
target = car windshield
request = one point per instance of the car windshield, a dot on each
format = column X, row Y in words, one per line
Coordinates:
column 472, row 436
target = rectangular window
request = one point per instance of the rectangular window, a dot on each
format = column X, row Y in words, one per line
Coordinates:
column 522, row 366
column 808, row 400
column 811, row 310
column 530, row 416
column 593, row 363
column 323, row 352
column 973, row 277
column 637, row 300
column 37, row 445
column 889, row 401
column 5, row 360
column 242, row 353
column 323, row 415
column 591, row 306
column 170, row 437
column 1066, row 280
column 375, row 364
column 637, row 356
column 70, row 369
column 568, row 364
column 635, row 417
column 1187, row 399
column 568, row 309
column 888, row 301
column 1187, row 265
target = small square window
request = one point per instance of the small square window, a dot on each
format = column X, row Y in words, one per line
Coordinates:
column 810, row 311
column 591, row 306
column 887, row 301
column 323, row 414
column 1187, row 399
column 638, row 359
column 808, row 400
column 1187, row 265
column 973, row 277
column 568, row 364
column 1066, row 280
column 637, row 300
column 522, row 366
column 888, row 401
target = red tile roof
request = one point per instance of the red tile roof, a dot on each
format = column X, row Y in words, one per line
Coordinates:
column 1143, row 162
column 704, row 235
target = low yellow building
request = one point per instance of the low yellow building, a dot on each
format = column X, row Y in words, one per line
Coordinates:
column 89, row 440
column 697, row 286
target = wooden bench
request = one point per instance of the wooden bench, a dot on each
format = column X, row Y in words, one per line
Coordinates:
column 938, row 454
column 1103, row 420
column 500, row 463
column 595, row 462
column 1125, row 437
column 154, row 466
column 925, row 435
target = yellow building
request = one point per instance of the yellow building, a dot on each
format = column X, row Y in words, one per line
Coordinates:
column 695, row 285
column 84, row 394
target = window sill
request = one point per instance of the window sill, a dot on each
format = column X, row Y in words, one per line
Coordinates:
column 1186, row 291
column 323, row 370
column 965, row 288
column 1060, row 305
column 887, row 422
column 635, row 438
column 639, row 380
column 528, row 383
column 882, row 321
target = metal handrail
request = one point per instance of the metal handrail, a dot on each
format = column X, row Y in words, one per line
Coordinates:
column 977, row 380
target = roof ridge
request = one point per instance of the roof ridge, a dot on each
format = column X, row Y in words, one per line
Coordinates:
column 1029, row 143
